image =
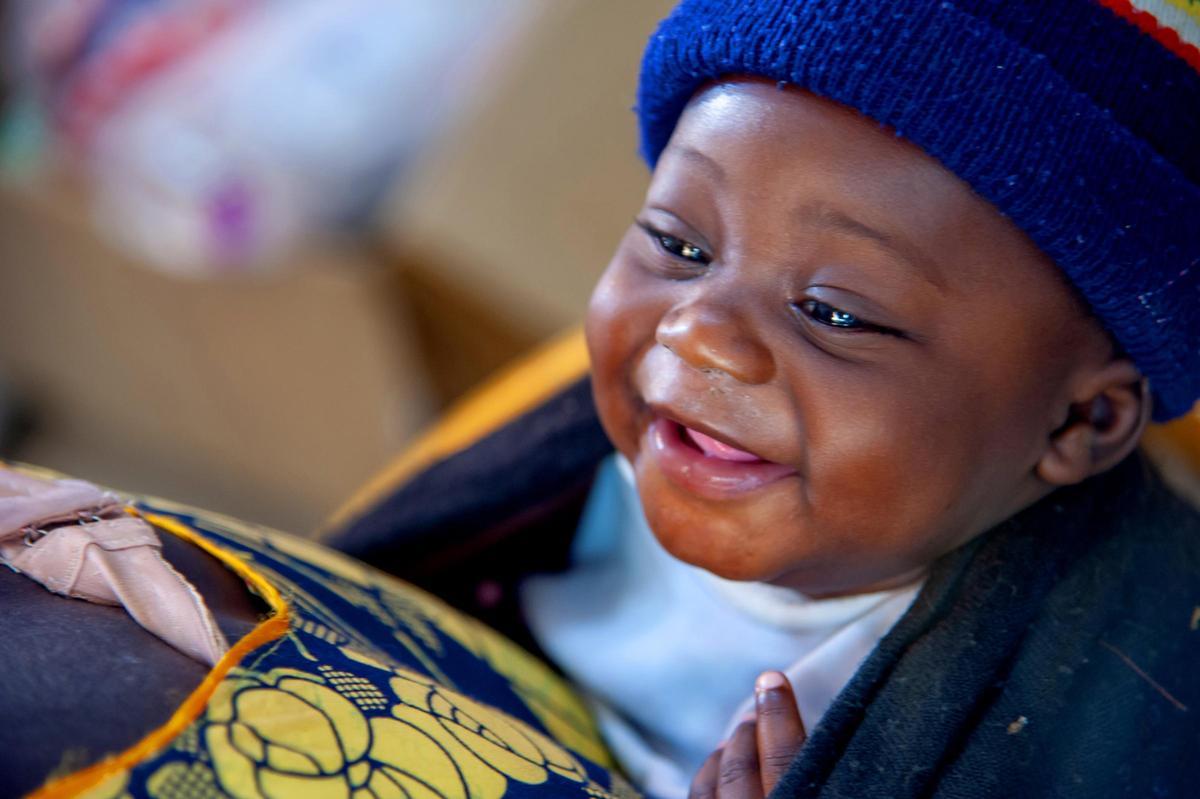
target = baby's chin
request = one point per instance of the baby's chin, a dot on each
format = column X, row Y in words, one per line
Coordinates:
column 816, row 577
column 715, row 539
column 700, row 551
column 713, row 535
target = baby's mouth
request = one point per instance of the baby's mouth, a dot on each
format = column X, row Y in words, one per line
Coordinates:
column 702, row 465
column 719, row 449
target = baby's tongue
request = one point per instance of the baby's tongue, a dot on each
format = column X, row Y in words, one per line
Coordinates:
column 717, row 449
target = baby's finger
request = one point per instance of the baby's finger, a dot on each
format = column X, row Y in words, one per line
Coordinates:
column 780, row 731
column 738, row 776
column 704, row 784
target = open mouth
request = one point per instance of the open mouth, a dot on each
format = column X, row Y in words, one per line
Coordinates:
column 703, row 465
column 718, row 449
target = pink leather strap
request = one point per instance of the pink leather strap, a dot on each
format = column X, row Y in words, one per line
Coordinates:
column 77, row 541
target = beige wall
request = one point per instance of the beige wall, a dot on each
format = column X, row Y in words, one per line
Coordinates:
column 523, row 204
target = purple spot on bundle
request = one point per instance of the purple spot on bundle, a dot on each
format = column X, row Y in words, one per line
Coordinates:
column 231, row 221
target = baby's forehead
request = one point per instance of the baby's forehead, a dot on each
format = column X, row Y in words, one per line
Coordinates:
column 747, row 151
column 759, row 130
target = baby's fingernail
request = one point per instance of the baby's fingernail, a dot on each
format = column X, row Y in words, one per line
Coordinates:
column 769, row 681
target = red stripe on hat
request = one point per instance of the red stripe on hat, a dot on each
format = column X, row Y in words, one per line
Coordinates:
column 1148, row 23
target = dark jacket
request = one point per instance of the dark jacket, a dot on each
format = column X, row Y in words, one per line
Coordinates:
column 1057, row 655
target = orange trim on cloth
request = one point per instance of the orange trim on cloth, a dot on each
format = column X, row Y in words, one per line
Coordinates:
column 1181, row 437
column 515, row 390
column 1159, row 30
column 190, row 709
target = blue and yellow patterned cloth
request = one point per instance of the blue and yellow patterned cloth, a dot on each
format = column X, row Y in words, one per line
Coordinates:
column 359, row 686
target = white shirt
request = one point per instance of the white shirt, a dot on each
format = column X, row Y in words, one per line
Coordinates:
column 668, row 653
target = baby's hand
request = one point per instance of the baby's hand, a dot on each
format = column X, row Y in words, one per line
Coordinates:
column 748, row 765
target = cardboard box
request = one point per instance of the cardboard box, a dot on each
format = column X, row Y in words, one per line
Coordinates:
column 521, row 206
column 269, row 399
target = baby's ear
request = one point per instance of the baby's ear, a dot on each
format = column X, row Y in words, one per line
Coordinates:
column 1108, row 411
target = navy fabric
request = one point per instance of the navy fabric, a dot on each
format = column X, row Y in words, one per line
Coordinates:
column 1071, row 121
column 375, row 689
column 536, row 456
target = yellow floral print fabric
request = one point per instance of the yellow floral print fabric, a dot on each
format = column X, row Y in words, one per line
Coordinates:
column 376, row 691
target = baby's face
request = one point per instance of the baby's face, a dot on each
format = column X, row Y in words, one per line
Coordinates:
column 827, row 359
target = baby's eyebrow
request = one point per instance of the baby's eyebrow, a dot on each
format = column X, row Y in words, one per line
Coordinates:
column 822, row 216
column 700, row 159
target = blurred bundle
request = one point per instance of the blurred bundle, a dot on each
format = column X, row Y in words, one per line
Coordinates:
column 216, row 134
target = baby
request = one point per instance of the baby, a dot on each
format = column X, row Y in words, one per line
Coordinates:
column 875, row 356
column 851, row 505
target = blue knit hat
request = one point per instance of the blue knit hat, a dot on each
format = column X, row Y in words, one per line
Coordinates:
column 1079, row 119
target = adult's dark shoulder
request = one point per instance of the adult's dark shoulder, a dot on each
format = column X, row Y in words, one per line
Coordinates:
column 1054, row 656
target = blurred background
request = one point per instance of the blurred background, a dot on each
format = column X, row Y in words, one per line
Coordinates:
column 249, row 248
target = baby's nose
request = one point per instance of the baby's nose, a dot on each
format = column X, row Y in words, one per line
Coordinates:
column 710, row 336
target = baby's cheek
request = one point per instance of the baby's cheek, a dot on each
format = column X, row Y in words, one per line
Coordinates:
column 615, row 405
column 881, row 523
column 608, row 350
column 621, row 327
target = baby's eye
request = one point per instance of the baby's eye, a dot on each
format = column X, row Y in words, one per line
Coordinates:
column 825, row 314
column 680, row 248
column 833, row 317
